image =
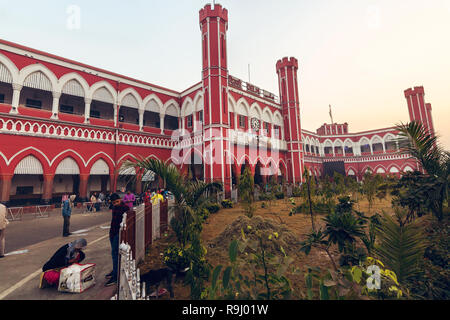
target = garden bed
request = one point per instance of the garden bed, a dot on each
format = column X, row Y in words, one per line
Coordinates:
column 220, row 228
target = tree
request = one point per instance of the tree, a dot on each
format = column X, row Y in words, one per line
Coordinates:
column 418, row 142
column 246, row 188
column 191, row 198
column 370, row 186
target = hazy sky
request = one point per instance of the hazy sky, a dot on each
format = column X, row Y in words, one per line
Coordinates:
column 357, row 55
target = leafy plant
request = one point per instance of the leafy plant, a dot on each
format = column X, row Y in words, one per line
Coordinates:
column 279, row 195
column 227, row 204
column 246, row 186
column 401, row 247
column 254, row 273
column 213, row 207
column 175, row 258
column 418, row 142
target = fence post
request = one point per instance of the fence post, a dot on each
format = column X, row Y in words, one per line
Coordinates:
column 148, row 224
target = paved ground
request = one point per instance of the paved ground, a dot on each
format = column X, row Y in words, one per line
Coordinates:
column 19, row 276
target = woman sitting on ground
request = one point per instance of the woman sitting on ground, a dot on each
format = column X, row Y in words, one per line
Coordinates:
column 65, row 256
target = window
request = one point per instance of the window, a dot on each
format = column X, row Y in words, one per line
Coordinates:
column 189, row 121
column 121, row 118
column 2, row 98
column 241, row 121
column 95, row 114
column 30, row 103
column 66, row 109
column 266, row 128
column 200, row 116
column 24, row 190
column 276, row 132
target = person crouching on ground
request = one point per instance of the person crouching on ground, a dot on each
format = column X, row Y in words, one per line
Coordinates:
column 118, row 209
column 65, row 256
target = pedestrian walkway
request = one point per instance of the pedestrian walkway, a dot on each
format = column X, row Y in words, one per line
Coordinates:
column 20, row 273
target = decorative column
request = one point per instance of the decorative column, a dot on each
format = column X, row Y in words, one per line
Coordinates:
column 116, row 113
column 87, row 109
column 138, row 184
column 84, row 179
column 141, row 119
column 5, row 187
column 112, row 182
column 55, row 106
column 16, row 97
column 161, row 122
column 47, row 194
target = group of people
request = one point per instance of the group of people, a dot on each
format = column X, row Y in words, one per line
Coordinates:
column 73, row 252
column 156, row 196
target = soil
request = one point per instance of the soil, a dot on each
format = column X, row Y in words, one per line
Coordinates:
column 220, row 228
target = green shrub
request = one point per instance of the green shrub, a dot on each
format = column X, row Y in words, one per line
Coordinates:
column 227, row 203
column 279, row 195
column 296, row 192
column 175, row 258
column 213, row 207
column 204, row 214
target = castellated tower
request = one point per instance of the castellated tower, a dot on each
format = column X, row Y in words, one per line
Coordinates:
column 216, row 147
column 289, row 98
column 419, row 110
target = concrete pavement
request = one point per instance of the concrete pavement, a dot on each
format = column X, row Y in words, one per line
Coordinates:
column 20, row 273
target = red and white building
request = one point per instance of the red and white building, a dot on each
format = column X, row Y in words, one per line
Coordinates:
column 67, row 127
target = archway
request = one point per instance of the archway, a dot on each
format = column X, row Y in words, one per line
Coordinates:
column 27, row 185
column 258, row 174
column 67, row 179
column 99, row 177
column 196, row 166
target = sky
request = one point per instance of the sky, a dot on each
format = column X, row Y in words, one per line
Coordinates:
column 357, row 55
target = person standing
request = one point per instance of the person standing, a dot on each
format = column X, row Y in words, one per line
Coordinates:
column 129, row 199
column 66, row 213
column 3, row 223
column 157, row 198
column 93, row 202
column 118, row 209
column 147, row 196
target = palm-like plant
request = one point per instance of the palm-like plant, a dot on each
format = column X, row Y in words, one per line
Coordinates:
column 190, row 196
column 401, row 247
column 417, row 141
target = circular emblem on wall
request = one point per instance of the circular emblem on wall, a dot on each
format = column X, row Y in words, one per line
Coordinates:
column 256, row 125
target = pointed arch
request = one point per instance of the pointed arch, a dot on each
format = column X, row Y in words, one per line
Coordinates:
column 187, row 108
column 11, row 67
column 101, row 156
column 243, row 108
column 255, row 111
column 43, row 72
column 130, row 98
column 69, row 154
column 231, row 104
column 29, row 164
column 153, row 103
column 171, row 108
column 267, row 115
column 102, row 88
column 66, row 79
